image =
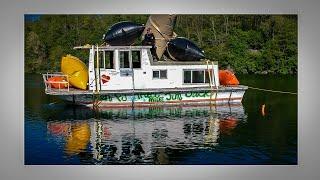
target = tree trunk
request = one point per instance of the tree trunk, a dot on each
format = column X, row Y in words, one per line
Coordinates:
column 226, row 24
column 213, row 29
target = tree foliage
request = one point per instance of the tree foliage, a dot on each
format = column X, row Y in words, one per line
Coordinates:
column 246, row 43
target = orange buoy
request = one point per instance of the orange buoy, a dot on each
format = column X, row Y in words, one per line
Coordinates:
column 226, row 77
column 57, row 82
column 263, row 110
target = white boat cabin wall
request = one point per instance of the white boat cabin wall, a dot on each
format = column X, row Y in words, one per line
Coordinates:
column 132, row 67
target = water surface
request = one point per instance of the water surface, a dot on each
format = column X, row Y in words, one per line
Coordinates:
column 57, row 133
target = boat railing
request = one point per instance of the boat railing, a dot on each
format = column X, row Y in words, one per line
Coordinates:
column 56, row 85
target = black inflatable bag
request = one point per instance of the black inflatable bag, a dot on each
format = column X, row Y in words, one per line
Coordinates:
column 123, row 33
column 182, row 49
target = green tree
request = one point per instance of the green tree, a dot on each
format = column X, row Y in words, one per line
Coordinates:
column 247, row 43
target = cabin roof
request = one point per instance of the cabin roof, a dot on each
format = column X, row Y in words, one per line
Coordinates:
column 161, row 63
column 112, row 47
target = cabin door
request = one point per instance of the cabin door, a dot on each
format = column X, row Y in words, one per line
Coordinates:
column 126, row 71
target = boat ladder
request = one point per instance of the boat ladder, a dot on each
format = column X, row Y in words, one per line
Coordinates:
column 96, row 93
column 213, row 89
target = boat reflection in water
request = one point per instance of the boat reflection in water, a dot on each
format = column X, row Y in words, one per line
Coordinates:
column 144, row 135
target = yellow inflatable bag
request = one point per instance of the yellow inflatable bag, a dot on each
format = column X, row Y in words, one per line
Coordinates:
column 76, row 70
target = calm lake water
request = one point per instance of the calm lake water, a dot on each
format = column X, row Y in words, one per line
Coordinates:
column 57, row 133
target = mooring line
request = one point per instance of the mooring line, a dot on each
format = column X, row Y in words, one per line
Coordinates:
column 274, row 91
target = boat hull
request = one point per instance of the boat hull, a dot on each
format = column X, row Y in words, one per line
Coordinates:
column 156, row 98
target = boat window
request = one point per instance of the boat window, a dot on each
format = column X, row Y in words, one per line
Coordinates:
column 101, row 59
column 101, row 62
column 156, row 74
column 207, row 78
column 195, row 76
column 159, row 74
column 124, row 59
column 108, row 59
column 136, row 59
column 187, row 77
column 163, row 74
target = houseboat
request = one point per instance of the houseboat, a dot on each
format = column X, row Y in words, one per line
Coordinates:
column 127, row 76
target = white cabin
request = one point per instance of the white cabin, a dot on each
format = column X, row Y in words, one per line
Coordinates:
column 132, row 67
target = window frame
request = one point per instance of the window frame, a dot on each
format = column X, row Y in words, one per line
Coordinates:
column 104, row 59
column 159, row 70
column 140, row 55
column 129, row 56
column 191, row 76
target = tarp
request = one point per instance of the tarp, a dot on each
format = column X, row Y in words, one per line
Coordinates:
column 183, row 49
column 123, row 33
column 162, row 27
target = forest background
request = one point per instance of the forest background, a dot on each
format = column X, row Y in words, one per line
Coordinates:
column 249, row 44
